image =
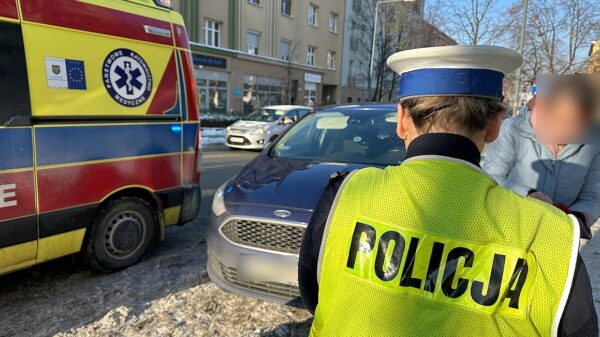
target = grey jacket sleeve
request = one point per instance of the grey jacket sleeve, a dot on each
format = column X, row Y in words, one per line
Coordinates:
column 501, row 157
column 588, row 201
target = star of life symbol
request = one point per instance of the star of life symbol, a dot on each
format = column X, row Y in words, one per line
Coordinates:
column 127, row 77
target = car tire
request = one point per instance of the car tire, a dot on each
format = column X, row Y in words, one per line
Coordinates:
column 121, row 234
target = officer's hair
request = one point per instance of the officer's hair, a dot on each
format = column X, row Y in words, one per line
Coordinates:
column 467, row 115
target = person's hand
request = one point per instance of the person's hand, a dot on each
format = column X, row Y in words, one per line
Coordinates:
column 542, row 197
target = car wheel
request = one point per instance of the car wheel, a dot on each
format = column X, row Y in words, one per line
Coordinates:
column 121, row 234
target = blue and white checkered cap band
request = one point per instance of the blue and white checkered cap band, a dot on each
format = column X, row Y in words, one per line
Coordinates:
column 451, row 82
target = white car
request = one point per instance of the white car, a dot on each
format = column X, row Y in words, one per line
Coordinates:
column 257, row 129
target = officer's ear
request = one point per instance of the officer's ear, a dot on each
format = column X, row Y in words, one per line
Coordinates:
column 493, row 130
column 406, row 127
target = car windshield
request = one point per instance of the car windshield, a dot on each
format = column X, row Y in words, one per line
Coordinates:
column 365, row 136
column 264, row 115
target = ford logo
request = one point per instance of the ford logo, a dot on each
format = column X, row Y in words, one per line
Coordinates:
column 282, row 213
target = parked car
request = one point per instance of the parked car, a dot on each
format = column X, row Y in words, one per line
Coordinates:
column 259, row 216
column 254, row 131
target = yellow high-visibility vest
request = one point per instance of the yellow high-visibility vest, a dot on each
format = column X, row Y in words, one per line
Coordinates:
column 435, row 248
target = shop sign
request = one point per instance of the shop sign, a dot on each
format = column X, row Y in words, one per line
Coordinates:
column 313, row 78
column 209, row 61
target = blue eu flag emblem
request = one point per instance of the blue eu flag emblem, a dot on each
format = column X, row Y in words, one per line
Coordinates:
column 76, row 74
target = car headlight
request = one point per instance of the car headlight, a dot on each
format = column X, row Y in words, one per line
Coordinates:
column 218, row 204
column 258, row 131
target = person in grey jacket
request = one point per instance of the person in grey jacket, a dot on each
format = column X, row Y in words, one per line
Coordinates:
column 566, row 175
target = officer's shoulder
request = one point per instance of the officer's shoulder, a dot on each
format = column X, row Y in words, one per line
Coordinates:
column 534, row 206
column 338, row 177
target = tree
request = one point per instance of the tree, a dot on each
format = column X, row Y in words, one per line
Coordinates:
column 474, row 22
column 557, row 36
column 288, row 82
column 395, row 31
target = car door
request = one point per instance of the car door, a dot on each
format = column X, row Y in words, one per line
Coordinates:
column 18, row 220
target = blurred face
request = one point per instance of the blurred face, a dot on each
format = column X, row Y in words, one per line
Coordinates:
column 558, row 119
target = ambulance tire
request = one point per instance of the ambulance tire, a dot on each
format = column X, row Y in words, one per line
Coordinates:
column 121, row 234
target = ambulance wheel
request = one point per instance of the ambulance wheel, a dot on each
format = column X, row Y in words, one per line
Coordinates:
column 122, row 233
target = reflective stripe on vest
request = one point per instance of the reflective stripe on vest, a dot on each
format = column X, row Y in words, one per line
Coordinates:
column 481, row 262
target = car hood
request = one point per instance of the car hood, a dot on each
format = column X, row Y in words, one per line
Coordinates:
column 281, row 183
column 248, row 124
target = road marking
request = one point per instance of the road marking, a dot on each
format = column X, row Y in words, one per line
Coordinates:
column 224, row 165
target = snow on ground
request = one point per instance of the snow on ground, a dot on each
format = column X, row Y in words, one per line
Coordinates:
column 213, row 136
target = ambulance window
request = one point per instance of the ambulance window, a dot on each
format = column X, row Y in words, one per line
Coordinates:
column 14, row 87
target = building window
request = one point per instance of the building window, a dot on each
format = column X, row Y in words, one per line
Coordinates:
column 286, row 7
column 212, row 33
column 310, row 94
column 212, row 89
column 331, row 60
column 356, row 5
column 261, row 91
column 285, row 47
column 252, row 42
column 333, row 22
column 313, row 20
column 310, row 56
column 254, row 2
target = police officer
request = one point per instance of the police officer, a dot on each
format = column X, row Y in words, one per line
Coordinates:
column 434, row 247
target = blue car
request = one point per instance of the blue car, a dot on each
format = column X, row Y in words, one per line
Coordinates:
column 259, row 216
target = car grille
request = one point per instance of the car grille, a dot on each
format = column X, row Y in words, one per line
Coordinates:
column 285, row 290
column 270, row 236
column 241, row 131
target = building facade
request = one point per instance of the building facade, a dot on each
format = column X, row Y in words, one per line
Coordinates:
column 594, row 54
column 400, row 26
column 253, row 53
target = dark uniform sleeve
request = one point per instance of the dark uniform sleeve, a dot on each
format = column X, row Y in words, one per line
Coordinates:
column 579, row 318
column 311, row 244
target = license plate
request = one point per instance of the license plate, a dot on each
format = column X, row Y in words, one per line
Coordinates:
column 237, row 140
column 258, row 268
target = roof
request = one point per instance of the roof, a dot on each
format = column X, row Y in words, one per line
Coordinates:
column 286, row 107
column 364, row 106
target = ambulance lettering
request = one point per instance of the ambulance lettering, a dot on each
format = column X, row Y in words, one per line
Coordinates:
column 486, row 278
column 8, row 193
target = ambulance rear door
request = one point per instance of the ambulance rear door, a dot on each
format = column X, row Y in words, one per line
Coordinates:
column 18, row 220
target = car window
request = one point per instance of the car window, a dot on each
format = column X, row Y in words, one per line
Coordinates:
column 357, row 136
column 265, row 115
column 302, row 113
column 14, row 87
column 293, row 114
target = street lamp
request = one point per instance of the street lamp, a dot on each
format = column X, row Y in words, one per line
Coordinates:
column 375, row 34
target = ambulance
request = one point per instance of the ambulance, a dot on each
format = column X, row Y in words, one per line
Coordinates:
column 99, row 130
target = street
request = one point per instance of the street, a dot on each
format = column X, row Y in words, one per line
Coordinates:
column 166, row 294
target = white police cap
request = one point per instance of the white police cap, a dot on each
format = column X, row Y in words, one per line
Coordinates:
column 454, row 70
